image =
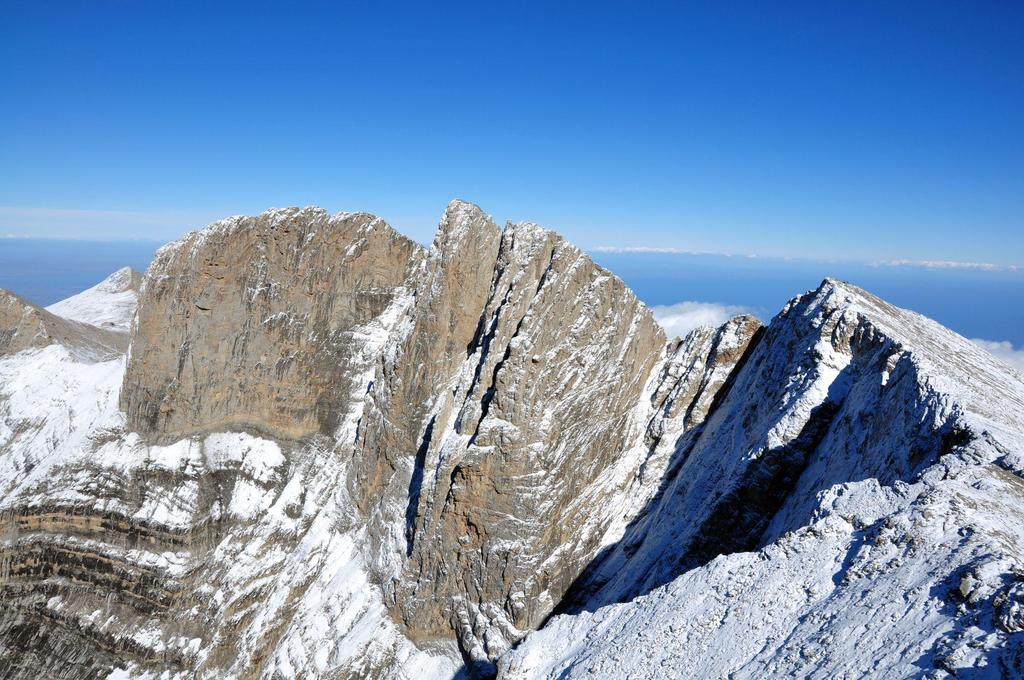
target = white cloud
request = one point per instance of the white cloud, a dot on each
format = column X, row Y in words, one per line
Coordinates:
column 1003, row 351
column 664, row 250
column 922, row 264
column 682, row 317
column 948, row 264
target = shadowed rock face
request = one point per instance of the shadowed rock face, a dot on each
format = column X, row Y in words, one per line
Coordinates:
column 252, row 323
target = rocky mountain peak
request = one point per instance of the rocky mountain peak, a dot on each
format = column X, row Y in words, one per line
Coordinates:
column 461, row 221
column 332, row 452
column 24, row 325
column 255, row 322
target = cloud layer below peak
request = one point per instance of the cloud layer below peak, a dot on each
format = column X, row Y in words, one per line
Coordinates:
column 1004, row 351
column 682, row 317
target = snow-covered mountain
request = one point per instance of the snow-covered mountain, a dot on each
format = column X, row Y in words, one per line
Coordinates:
column 110, row 303
column 852, row 508
column 330, row 452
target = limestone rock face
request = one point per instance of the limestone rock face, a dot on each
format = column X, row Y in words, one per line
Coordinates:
column 540, row 403
column 332, row 453
column 432, row 344
column 487, row 419
column 252, row 323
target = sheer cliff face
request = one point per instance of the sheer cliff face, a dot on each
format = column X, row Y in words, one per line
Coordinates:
column 516, row 384
column 507, row 385
column 255, row 321
column 331, row 452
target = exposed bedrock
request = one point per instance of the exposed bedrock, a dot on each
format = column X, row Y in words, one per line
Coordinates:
column 253, row 322
column 531, row 401
column 24, row 325
column 332, row 452
column 508, row 384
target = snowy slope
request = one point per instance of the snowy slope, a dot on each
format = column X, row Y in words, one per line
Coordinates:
column 252, row 540
column 896, row 549
column 109, row 304
column 865, row 590
column 838, row 494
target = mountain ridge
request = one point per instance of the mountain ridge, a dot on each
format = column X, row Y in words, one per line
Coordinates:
column 332, row 452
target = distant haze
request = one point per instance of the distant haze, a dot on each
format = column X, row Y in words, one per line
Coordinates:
column 46, row 271
column 691, row 289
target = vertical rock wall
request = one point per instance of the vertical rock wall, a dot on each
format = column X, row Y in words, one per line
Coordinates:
column 252, row 323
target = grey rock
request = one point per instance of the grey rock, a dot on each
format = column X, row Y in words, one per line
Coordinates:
column 251, row 323
column 331, row 452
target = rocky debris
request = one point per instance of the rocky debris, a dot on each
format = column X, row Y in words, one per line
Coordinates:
column 1011, row 609
column 24, row 325
column 335, row 453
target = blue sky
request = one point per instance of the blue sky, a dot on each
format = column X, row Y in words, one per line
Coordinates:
column 856, row 131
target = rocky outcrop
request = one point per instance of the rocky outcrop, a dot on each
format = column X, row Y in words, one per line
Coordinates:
column 24, row 325
column 488, row 415
column 437, row 335
column 331, row 452
column 533, row 414
column 254, row 322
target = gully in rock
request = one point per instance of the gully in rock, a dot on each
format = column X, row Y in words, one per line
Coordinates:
column 303, row 445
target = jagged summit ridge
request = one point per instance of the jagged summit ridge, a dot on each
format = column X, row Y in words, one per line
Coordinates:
column 332, row 452
column 515, row 394
column 460, row 357
column 824, row 519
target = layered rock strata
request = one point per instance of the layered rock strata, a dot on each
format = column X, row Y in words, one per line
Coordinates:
column 332, row 452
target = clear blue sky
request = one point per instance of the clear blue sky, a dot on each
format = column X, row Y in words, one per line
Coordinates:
column 868, row 130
